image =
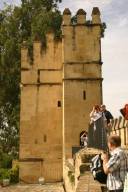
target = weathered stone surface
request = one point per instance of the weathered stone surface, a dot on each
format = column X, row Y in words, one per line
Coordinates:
column 57, row 95
column 34, row 188
column 84, row 179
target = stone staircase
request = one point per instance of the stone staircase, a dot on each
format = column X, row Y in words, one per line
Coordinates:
column 86, row 182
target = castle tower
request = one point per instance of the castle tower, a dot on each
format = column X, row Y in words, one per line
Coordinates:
column 82, row 78
column 57, row 94
column 41, row 112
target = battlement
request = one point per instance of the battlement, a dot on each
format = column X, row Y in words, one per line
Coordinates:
column 44, row 60
column 80, row 40
column 81, row 17
column 41, row 56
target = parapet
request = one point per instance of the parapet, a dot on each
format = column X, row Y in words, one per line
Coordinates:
column 81, row 17
column 43, row 57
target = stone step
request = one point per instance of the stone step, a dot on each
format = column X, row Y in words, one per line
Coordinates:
column 86, row 158
column 88, row 184
column 84, row 167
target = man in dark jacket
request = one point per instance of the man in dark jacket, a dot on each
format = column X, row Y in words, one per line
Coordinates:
column 108, row 116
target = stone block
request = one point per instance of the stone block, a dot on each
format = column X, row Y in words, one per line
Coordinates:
column 29, row 77
column 30, row 172
column 50, row 77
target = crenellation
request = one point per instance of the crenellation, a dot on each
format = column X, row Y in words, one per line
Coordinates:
column 96, row 11
column 25, row 59
column 67, row 17
column 96, row 16
column 51, row 52
column 81, row 16
column 37, row 48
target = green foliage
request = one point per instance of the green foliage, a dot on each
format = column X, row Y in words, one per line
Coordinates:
column 71, row 176
column 11, row 174
column 103, row 27
column 6, row 161
column 17, row 24
column 4, row 174
column 14, row 174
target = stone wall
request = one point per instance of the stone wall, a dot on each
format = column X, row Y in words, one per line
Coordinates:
column 58, row 91
column 41, row 112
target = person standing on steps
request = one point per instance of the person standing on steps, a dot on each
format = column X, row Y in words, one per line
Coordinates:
column 84, row 139
column 116, row 167
column 97, row 136
column 108, row 116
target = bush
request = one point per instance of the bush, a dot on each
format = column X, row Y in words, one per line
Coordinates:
column 6, row 161
column 4, row 174
column 14, row 174
column 11, row 174
column 71, row 176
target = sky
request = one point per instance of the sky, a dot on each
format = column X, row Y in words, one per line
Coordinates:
column 114, row 47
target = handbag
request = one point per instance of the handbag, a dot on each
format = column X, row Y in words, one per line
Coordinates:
column 96, row 168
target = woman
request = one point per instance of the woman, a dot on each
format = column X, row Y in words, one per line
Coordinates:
column 97, row 136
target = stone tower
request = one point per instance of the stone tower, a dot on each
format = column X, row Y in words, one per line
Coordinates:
column 57, row 95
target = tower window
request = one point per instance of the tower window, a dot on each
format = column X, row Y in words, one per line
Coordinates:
column 59, row 103
column 84, row 95
column 45, row 138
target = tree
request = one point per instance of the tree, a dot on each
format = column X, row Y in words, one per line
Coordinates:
column 17, row 24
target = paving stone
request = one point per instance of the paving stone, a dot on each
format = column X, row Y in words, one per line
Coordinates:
column 58, row 187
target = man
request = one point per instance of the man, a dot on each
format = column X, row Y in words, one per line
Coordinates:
column 108, row 116
column 116, row 167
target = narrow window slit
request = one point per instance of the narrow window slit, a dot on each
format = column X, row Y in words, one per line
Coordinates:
column 59, row 103
column 45, row 138
column 84, row 95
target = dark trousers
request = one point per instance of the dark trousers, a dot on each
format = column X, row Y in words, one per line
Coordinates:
column 118, row 190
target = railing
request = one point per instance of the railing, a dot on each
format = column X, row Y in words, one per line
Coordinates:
column 120, row 127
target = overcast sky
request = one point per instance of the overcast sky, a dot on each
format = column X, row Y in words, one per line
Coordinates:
column 114, row 47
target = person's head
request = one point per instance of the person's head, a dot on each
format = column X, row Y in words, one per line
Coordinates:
column 97, row 108
column 114, row 141
column 126, row 107
column 103, row 107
